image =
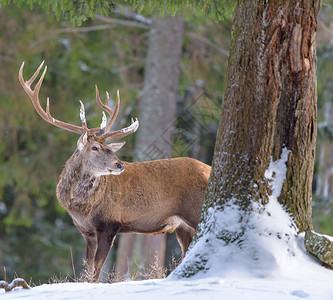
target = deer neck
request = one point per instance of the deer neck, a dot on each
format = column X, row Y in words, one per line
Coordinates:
column 76, row 184
column 85, row 185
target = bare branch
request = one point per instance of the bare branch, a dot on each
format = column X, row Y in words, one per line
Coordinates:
column 209, row 43
column 15, row 283
column 122, row 22
column 115, row 22
column 129, row 14
column 85, row 29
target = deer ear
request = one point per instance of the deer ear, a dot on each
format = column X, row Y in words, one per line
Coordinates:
column 82, row 141
column 116, row 146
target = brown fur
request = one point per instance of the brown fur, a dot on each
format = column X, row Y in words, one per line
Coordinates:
column 147, row 197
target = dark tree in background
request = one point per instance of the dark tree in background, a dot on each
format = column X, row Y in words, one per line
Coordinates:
column 157, row 112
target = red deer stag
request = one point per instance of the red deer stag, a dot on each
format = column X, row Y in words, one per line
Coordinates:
column 105, row 196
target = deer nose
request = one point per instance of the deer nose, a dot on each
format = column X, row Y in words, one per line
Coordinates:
column 120, row 166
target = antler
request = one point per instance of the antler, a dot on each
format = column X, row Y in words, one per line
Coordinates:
column 118, row 134
column 46, row 115
column 33, row 94
column 113, row 115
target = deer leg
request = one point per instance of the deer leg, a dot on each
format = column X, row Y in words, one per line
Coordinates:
column 91, row 247
column 104, row 243
column 184, row 234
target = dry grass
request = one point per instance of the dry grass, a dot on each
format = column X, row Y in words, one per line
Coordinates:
column 61, row 279
column 114, row 277
column 154, row 271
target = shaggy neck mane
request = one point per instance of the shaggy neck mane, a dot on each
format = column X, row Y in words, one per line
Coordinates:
column 75, row 182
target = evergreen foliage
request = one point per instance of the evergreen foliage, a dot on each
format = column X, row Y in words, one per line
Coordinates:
column 219, row 9
column 79, row 11
column 76, row 11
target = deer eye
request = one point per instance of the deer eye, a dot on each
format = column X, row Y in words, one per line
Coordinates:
column 94, row 148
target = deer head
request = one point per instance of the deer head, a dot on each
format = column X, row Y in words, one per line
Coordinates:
column 98, row 154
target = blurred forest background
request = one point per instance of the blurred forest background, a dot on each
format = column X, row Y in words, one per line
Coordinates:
column 37, row 237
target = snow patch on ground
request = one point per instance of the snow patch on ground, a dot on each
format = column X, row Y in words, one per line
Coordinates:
column 213, row 287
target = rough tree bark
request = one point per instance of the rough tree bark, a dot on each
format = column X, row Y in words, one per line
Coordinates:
column 157, row 112
column 270, row 104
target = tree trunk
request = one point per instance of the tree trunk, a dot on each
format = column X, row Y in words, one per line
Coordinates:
column 269, row 111
column 157, row 112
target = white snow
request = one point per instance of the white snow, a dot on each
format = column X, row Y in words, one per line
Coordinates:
column 276, row 173
column 324, row 235
column 103, row 124
column 212, row 287
column 133, row 127
column 82, row 113
column 269, row 261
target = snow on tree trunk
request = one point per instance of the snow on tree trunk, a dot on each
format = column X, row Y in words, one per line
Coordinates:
column 157, row 112
column 268, row 116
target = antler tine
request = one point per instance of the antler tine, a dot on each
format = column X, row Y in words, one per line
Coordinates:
column 38, row 86
column 33, row 95
column 113, row 113
column 107, row 96
column 122, row 132
column 83, row 116
column 48, row 109
column 100, row 103
column 33, row 77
